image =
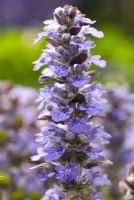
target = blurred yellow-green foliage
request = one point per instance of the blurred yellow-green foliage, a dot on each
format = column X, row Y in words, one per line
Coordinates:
column 16, row 56
column 117, row 48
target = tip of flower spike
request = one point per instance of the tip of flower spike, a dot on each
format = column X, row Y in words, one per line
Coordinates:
column 72, row 11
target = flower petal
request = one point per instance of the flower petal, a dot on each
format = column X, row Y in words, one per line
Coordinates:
column 61, row 114
column 79, row 81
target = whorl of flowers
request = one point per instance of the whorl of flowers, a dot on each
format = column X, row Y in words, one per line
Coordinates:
column 127, row 185
column 119, row 122
column 17, row 130
column 69, row 142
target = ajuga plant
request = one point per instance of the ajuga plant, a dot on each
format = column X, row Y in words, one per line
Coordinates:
column 70, row 144
column 17, row 129
column 119, row 122
column 127, row 185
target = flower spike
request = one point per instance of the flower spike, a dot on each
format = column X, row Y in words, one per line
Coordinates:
column 70, row 140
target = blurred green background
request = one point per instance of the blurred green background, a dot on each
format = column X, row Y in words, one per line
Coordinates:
column 18, row 30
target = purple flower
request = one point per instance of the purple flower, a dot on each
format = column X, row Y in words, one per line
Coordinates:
column 44, row 135
column 17, row 130
column 49, row 33
column 92, row 109
column 95, row 177
column 70, row 141
column 45, row 174
column 79, row 19
column 98, row 135
column 23, row 175
column 78, row 125
column 53, row 152
column 93, row 93
column 79, row 81
column 61, row 114
column 69, row 172
column 90, row 30
column 48, row 132
column 119, row 122
column 61, row 70
column 53, row 194
column 84, row 44
column 94, row 153
column 96, row 60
